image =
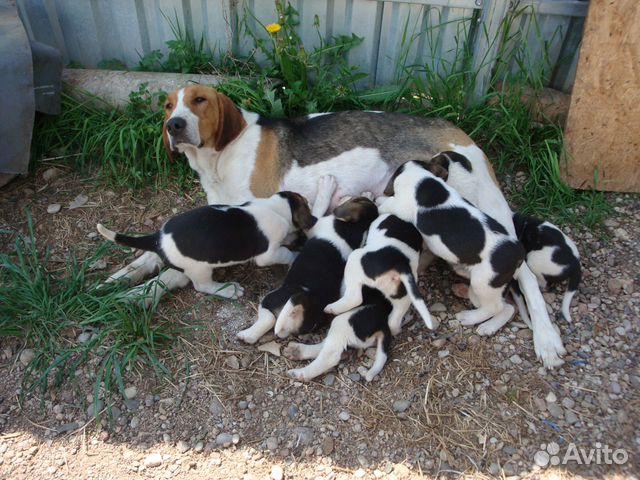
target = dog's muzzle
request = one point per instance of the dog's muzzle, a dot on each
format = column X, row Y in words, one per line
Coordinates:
column 178, row 133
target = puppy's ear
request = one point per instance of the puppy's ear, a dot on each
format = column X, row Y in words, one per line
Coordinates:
column 165, row 141
column 389, row 190
column 300, row 212
column 439, row 165
column 230, row 122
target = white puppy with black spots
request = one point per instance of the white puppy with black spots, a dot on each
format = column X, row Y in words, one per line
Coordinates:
column 551, row 256
column 456, row 231
column 205, row 238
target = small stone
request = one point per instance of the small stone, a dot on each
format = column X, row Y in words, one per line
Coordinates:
column 443, row 353
column 437, row 307
column 292, row 411
column 54, row 208
column 94, row 409
column 242, row 405
column 134, row 423
column 344, row 416
column 329, row 379
column 271, row 347
column 183, row 447
column 130, row 392
column 555, row 410
column 235, row 439
column 78, row 202
column 132, row 405
column 224, row 439
column 277, row 473
column 355, row 377
column 509, row 450
column 551, row 397
column 570, row 417
column 568, row 402
column 304, row 435
column 152, row 460
column 327, row 445
column 199, row 446
column 148, row 400
column 51, row 173
column 614, row 285
column 26, row 356
column 233, row 362
column 115, row 413
column 51, row 470
column 359, row 473
column 525, row 334
column 400, row 406
column 615, row 388
column 84, row 337
column 515, row 359
column 439, row 342
column 272, row 444
column 216, row 408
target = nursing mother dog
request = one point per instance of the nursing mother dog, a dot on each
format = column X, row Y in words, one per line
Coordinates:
column 240, row 155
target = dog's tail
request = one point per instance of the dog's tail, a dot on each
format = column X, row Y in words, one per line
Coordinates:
column 149, row 243
column 574, row 281
column 410, row 284
column 291, row 316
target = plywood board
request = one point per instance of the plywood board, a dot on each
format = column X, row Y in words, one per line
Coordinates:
column 603, row 127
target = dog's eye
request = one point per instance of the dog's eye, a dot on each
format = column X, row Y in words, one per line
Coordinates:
column 198, row 100
column 168, row 106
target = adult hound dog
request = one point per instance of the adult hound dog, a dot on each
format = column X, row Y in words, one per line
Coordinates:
column 240, row 155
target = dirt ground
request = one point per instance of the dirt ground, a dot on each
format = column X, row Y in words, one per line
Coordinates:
column 448, row 403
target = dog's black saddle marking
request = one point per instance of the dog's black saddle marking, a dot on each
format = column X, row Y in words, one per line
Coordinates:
column 396, row 228
column 217, row 234
column 461, row 233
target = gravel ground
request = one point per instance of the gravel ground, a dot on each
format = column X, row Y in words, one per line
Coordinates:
column 449, row 403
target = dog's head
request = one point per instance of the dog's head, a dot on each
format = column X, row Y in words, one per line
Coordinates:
column 199, row 116
column 301, row 216
column 357, row 210
column 437, row 166
column 527, row 231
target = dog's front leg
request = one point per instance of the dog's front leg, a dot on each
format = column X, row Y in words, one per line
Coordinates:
column 546, row 340
column 266, row 321
column 136, row 271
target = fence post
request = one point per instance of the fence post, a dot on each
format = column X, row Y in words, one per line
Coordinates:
column 486, row 44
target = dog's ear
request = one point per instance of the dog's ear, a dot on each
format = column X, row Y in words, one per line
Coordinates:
column 439, row 165
column 357, row 209
column 301, row 215
column 230, row 122
column 165, row 141
column 389, row 190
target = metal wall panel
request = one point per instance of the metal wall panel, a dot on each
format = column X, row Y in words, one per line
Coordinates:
column 396, row 33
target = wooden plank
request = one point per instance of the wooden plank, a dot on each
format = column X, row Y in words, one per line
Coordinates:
column 441, row 3
column 601, row 136
column 569, row 8
column 486, row 45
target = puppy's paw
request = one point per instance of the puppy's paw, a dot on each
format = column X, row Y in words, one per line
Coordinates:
column 231, row 290
column 247, row 336
column 298, row 374
column 548, row 347
column 368, row 195
column 487, row 329
column 293, row 351
column 330, row 309
column 467, row 317
column 460, row 290
column 369, row 376
column 327, row 185
column 380, row 200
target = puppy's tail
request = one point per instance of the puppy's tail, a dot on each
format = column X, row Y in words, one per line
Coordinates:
column 291, row 316
column 149, row 243
column 410, row 284
column 574, row 281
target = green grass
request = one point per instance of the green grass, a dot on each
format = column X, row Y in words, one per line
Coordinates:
column 48, row 310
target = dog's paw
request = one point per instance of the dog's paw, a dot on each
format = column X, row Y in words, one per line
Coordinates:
column 460, row 290
column 298, row 374
column 548, row 347
column 487, row 328
column 466, row 317
column 330, row 309
column 232, row 291
column 247, row 336
column 293, row 351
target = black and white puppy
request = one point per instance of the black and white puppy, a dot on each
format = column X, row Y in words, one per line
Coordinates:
column 315, row 277
column 389, row 263
column 362, row 327
column 456, row 231
column 197, row 241
column 551, row 256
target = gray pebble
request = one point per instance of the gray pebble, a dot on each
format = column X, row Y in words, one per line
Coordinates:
column 570, row 417
column 400, row 406
column 183, row 447
column 216, row 408
column 555, row 410
column 134, row 423
column 304, row 435
column 355, row 377
column 344, row 416
column 224, row 439
column 292, row 411
column 272, row 443
column 568, row 402
column 329, row 379
column 152, row 460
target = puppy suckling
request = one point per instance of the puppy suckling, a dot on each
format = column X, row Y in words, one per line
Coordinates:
column 389, row 263
column 456, row 231
column 197, row 241
column 315, row 277
column 362, row 327
column 551, row 256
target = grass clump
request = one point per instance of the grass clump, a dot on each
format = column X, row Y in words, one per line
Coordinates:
column 48, row 311
column 125, row 142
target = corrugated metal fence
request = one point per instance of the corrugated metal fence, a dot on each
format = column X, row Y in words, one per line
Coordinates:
column 395, row 32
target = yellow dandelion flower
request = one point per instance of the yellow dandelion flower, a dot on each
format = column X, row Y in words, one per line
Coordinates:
column 273, row 28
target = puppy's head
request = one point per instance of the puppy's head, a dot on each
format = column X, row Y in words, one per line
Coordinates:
column 527, row 231
column 357, row 210
column 439, row 166
column 199, row 116
column 435, row 166
column 300, row 212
